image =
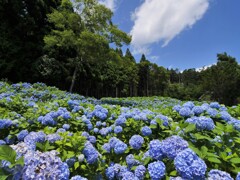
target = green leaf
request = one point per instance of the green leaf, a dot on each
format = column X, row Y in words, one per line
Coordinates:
column 215, row 160
column 8, row 154
column 20, row 161
column 76, row 165
column 3, row 177
column 189, row 128
column 173, row 173
column 235, row 160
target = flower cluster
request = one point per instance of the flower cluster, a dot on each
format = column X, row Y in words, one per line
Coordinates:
column 5, row 123
column 189, row 165
column 44, row 166
column 136, row 141
column 90, row 153
column 217, row 174
column 156, row 170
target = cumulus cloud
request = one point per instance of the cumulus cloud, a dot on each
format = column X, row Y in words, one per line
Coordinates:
column 111, row 4
column 162, row 20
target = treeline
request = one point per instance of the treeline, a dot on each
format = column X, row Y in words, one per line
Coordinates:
column 76, row 47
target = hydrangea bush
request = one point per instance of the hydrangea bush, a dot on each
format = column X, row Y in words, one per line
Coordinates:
column 46, row 133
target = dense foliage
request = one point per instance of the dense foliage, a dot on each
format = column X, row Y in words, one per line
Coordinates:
column 51, row 134
column 75, row 46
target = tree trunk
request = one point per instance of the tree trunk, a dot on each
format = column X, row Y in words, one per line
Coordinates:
column 73, row 79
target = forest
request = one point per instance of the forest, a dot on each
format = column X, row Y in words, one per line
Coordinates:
column 76, row 47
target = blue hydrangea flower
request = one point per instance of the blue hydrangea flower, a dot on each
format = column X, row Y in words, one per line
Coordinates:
column 2, row 142
column 171, row 146
column 33, row 137
column 136, row 141
column 217, row 174
column 120, row 147
column 121, row 120
column 107, row 147
column 155, row 150
column 163, row 118
column 238, row 176
column 189, row 165
column 118, row 129
column 104, row 131
column 215, row 105
column 128, row 175
column 85, row 134
column 78, row 178
column 110, row 173
column 177, row 108
column 53, row 137
column 140, row 172
column 225, row 116
column 98, row 123
column 113, row 141
column 5, row 123
column 156, row 170
column 70, row 162
column 131, row 161
column 90, row 153
column 22, row 134
column 96, row 130
column 146, row 131
column 212, row 112
column 66, row 126
column 40, row 165
column 92, row 139
column 188, row 104
column 205, row 123
column 185, row 112
column 197, row 110
column 176, row 178
column 205, row 106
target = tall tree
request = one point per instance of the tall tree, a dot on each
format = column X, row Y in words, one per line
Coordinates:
column 84, row 28
column 22, row 27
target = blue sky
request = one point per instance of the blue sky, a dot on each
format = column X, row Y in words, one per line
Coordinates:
column 180, row 33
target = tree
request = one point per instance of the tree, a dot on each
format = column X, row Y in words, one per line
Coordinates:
column 22, row 27
column 85, row 29
column 222, row 79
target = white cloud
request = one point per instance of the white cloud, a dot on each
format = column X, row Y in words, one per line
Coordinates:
column 162, row 20
column 204, row 67
column 111, row 4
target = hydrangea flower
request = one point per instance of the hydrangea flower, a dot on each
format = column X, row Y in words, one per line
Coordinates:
column 128, row 175
column 171, row 146
column 177, row 108
column 136, row 141
column 140, row 172
column 90, row 153
column 120, row 147
column 146, row 131
column 238, row 176
column 110, row 173
column 106, row 147
column 22, row 134
column 212, row 112
column 45, row 165
column 197, row 110
column 33, row 137
column 92, row 139
column 81, row 158
column 96, row 130
column 66, row 126
column 189, row 165
column 205, row 123
column 2, row 142
column 185, row 112
column 70, row 162
column 215, row 105
column 121, row 120
column 217, row 174
column 78, row 178
column 5, row 123
column 118, row 129
column 163, row 118
column 53, row 137
column 131, row 161
column 155, row 150
column 156, row 170
column 188, row 104
column 225, row 116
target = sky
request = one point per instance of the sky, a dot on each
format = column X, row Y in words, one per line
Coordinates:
column 179, row 34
